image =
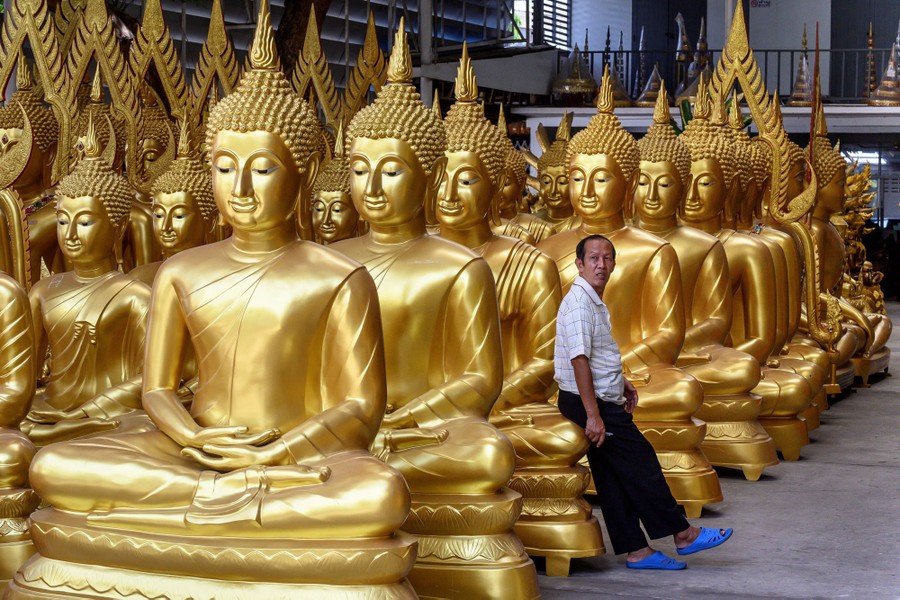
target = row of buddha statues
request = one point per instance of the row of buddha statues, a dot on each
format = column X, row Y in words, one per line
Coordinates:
column 265, row 356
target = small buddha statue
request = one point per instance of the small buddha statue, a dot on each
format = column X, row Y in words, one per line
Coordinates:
column 33, row 167
column 509, row 198
column 713, row 187
column 93, row 318
column 645, row 301
column 270, row 463
column 442, row 342
column 553, row 179
column 183, row 208
column 547, row 445
column 17, row 378
column 334, row 218
column 734, row 437
column 746, row 216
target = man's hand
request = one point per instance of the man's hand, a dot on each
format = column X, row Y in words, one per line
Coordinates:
column 595, row 430
column 631, row 397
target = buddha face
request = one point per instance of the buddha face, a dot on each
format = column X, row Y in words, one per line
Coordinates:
column 659, row 190
column 255, row 181
column 707, row 192
column 83, row 228
column 510, row 196
column 597, row 186
column 464, row 199
column 796, row 179
column 387, row 182
column 554, row 183
column 11, row 150
column 333, row 216
column 177, row 221
column 830, row 198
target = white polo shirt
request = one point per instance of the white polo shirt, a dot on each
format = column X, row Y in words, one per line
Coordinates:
column 583, row 328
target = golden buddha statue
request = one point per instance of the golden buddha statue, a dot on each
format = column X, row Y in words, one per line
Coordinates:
column 547, row 445
column 266, row 482
column 553, row 179
column 509, row 198
column 645, row 302
column 713, row 187
column 442, row 348
column 334, row 218
column 746, row 216
column 93, row 318
column 831, row 173
column 734, row 437
column 17, row 378
column 183, row 208
column 32, row 165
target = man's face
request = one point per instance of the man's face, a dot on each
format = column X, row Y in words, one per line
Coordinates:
column 255, row 181
column 555, row 186
column 659, row 190
column 598, row 264
column 387, row 182
column 464, row 199
column 706, row 195
column 177, row 221
column 597, row 186
column 333, row 216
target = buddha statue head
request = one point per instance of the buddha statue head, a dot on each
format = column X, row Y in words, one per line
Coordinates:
column 26, row 166
column 509, row 198
column 184, row 210
column 552, row 168
column 98, row 111
column 334, row 217
column 665, row 168
column 603, row 162
column 263, row 142
column 93, row 204
column 396, row 149
column 476, row 157
column 157, row 139
column 829, row 166
column 713, row 173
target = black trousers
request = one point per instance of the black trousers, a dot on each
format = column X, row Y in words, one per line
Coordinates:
column 630, row 483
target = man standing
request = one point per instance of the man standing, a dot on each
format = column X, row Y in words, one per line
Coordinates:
column 594, row 394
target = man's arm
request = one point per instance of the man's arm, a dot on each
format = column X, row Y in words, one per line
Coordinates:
column 594, row 428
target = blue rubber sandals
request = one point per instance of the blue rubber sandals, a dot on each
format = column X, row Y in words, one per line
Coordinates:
column 708, row 538
column 657, row 561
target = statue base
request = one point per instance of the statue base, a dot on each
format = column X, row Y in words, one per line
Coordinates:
column 691, row 478
column 12, row 556
column 467, row 548
column 556, row 522
column 78, row 560
column 810, row 417
column 734, row 437
column 820, row 401
column 790, row 435
column 863, row 367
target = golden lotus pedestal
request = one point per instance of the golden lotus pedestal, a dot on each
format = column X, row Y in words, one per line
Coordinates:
column 734, row 437
column 12, row 556
column 692, row 480
column 467, row 548
column 867, row 366
column 789, row 433
column 78, row 560
column 556, row 522
column 15, row 538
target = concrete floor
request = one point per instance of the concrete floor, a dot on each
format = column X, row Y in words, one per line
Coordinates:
column 823, row 527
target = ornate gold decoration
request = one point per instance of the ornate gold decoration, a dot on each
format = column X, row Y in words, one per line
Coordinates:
column 370, row 71
column 153, row 45
column 216, row 65
column 312, row 72
column 20, row 240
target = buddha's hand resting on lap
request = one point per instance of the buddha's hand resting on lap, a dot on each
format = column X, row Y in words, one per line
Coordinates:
column 404, row 439
column 505, row 421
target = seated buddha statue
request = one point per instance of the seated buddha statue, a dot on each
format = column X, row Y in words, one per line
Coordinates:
column 270, row 463
column 509, row 198
column 334, row 218
column 713, row 186
column 442, row 349
column 17, row 377
column 93, row 318
column 746, row 214
column 547, row 445
column 553, row 179
column 645, row 301
column 183, row 208
column 831, row 175
column 30, row 158
column 734, row 437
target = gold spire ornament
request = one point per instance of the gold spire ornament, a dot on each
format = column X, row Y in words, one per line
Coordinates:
column 153, row 46
column 801, row 94
column 576, row 86
column 370, row 72
column 99, row 111
column 651, row 90
column 313, row 73
column 888, row 91
column 216, row 66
